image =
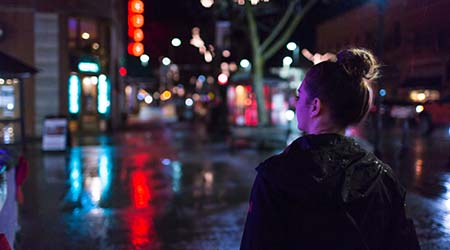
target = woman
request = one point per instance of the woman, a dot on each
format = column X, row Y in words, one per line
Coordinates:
column 325, row 191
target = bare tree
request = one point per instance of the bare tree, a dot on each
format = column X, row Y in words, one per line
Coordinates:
column 264, row 50
column 266, row 46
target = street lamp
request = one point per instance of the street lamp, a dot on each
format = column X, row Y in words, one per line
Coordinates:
column 144, row 59
column 245, row 63
column 295, row 51
column 176, row 42
column 291, row 46
column 166, row 61
column 287, row 61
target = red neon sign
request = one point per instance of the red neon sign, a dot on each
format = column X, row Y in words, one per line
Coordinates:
column 135, row 23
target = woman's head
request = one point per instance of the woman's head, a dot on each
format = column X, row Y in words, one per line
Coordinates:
column 341, row 87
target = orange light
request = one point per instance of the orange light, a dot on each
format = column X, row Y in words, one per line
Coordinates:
column 166, row 95
column 135, row 49
column 138, row 35
column 136, row 6
column 137, row 20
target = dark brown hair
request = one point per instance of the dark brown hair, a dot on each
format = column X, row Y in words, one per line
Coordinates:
column 344, row 85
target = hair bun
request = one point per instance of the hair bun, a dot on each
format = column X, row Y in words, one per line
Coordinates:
column 359, row 63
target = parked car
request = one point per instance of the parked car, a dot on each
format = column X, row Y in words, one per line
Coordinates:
column 433, row 114
column 424, row 116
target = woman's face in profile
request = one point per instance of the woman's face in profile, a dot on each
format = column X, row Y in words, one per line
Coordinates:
column 301, row 107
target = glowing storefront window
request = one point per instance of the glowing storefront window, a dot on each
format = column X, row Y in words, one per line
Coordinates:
column 88, row 67
column 103, row 95
column 9, row 98
column 74, row 94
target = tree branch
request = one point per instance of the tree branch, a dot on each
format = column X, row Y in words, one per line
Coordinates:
column 289, row 30
column 279, row 26
column 254, row 38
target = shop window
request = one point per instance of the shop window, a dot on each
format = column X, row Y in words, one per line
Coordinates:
column 9, row 132
column 9, row 99
column 89, row 84
column 72, row 27
column 9, row 110
column 89, row 27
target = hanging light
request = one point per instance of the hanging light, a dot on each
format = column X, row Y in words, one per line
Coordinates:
column 136, row 6
column 138, row 35
column 136, row 49
column 137, row 20
column 253, row 2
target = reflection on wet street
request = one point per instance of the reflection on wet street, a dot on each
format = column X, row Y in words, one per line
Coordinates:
column 171, row 187
column 156, row 188
column 423, row 166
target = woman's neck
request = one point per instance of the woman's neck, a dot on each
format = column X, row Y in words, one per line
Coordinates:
column 324, row 127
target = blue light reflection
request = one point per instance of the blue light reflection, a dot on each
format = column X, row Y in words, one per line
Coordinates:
column 446, row 204
column 75, row 176
column 89, row 190
column 176, row 176
column 104, row 170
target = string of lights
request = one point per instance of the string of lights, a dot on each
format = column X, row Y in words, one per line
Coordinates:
column 209, row 3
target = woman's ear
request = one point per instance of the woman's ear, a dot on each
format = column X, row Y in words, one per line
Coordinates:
column 316, row 107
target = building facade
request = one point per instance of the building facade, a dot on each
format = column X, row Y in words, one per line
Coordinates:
column 412, row 37
column 76, row 46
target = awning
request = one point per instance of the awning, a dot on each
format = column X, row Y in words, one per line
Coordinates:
column 11, row 67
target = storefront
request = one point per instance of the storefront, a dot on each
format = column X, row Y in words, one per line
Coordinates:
column 89, row 78
column 241, row 101
column 12, row 73
column 89, row 98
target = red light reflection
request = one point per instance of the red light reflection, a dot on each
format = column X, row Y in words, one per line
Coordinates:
column 140, row 227
column 140, row 191
column 141, row 220
column 140, row 159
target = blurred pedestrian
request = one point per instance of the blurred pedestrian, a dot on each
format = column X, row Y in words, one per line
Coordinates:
column 324, row 191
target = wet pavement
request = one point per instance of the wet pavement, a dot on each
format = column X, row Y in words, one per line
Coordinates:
column 163, row 186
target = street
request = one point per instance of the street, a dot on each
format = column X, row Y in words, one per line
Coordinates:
column 160, row 186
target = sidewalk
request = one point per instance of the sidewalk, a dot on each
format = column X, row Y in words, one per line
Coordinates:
column 204, row 184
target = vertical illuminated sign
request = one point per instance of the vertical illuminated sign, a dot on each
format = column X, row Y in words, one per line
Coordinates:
column 74, row 94
column 104, row 100
column 135, row 23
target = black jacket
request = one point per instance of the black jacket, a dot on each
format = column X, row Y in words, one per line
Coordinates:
column 326, row 192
